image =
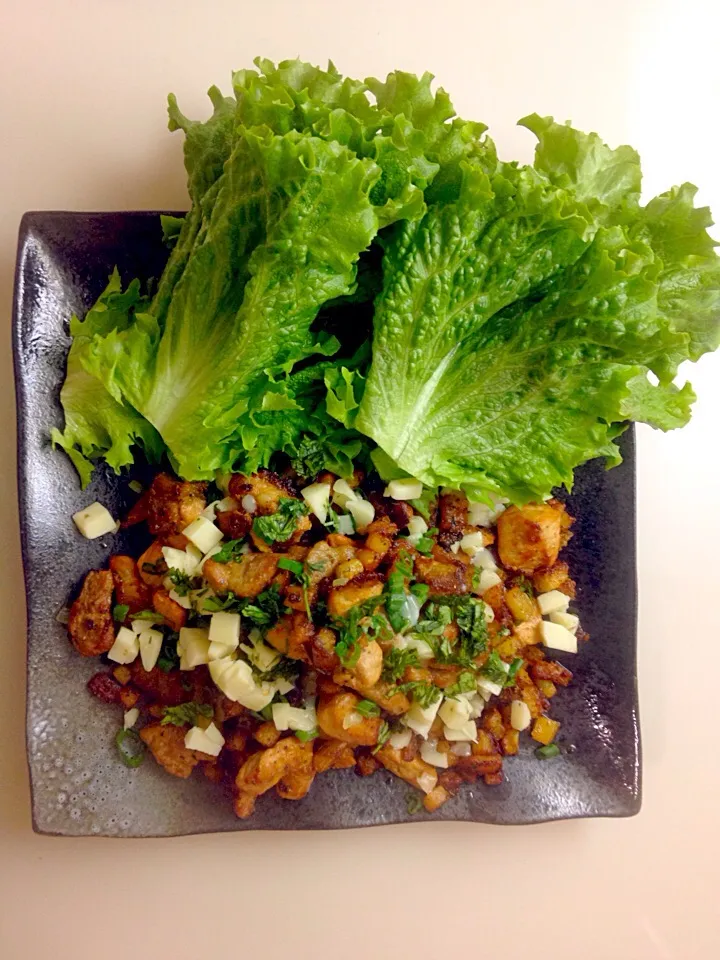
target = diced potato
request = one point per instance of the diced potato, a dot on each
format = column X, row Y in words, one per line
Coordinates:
column 547, row 688
column 522, row 606
column 510, row 742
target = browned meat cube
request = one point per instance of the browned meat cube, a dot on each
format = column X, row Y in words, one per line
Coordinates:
column 170, row 610
column 530, row 537
column 129, row 586
column 167, row 745
column 173, row 504
column 263, row 770
column 90, row 623
column 245, row 578
column 342, row 599
column 292, row 635
column 452, row 518
column 334, row 712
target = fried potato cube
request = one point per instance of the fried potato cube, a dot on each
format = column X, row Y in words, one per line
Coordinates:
column 530, row 537
column 544, row 730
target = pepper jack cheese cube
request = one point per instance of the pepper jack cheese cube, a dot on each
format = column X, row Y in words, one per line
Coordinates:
column 317, row 497
column 94, row 521
column 236, row 680
column 420, row 719
column 553, row 602
column 208, row 741
column 431, row 755
column 193, row 647
column 203, row 533
column 125, row 648
column 568, row 620
column 455, row 712
column 362, row 512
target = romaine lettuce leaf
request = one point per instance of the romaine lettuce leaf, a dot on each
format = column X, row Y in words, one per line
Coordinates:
column 291, row 217
column 97, row 425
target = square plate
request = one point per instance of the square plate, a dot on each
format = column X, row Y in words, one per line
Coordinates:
column 79, row 787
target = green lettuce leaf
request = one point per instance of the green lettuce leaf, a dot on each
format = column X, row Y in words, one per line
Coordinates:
column 97, row 425
column 291, row 217
column 516, row 327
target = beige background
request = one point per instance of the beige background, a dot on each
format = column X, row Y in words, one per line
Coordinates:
column 82, row 90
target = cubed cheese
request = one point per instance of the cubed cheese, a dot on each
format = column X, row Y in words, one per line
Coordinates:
column 184, row 561
column 489, row 613
column 553, row 602
column 400, row 739
column 203, row 533
column 362, row 512
column 488, row 578
column 151, row 642
column 130, row 718
column 225, row 628
column 472, row 543
column 558, row 637
column 94, row 521
column 125, row 648
column 182, row 601
column 219, row 506
column 568, row 620
column 519, row 715
column 343, row 493
column 420, row 719
column 427, row 781
column 406, row 489
column 467, row 732
column 344, row 524
column 235, row 679
column 477, row 705
column 216, row 651
column 193, row 647
column 212, row 731
column 286, row 717
column 484, row 560
column 198, row 739
column 417, row 526
column 431, row 755
column 317, row 497
column 454, row 712
column 261, row 655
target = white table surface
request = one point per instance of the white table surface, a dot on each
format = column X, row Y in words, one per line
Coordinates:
column 82, row 92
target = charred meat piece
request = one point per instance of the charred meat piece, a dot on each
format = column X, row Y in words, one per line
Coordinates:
column 90, row 623
column 173, row 504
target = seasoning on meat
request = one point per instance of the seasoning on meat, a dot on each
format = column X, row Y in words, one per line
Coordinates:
column 90, row 623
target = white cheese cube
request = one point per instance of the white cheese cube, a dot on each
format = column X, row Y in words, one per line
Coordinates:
column 420, row 719
column 489, row 613
column 125, row 648
column 203, row 533
column 344, row 524
column 454, row 712
column 568, row 620
column 343, row 493
column 193, row 647
column 218, row 506
column 477, row 705
column 151, row 642
column 484, row 560
column 362, row 512
column 417, row 526
column 94, row 521
column 317, row 497
column 235, row 679
column 553, row 602
column 283, row 686
column 472, row 543
column 519, row 715
column 478, row 514
column 181, row 560
column 557, row 637
column 216, row 651
column 183, row 602
column 198, row 739
column 431, row 755
column 212, row 731
column 261, row 655
column 211, row 553
column 225, row 628
column 286, row 717
column 427, row 781
column 488, row 578
column 399, row 740
column 130, row 718
column 466, row 733
column 405, row 489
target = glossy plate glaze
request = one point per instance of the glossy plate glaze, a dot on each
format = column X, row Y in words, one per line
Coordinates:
column 80, row 787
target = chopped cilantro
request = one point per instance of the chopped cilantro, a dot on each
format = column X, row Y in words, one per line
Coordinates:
column 300, row 574
column 230, row 552
column 426, row 542
column 350, row 629
column 421, row 591
column 423, row 693
column 368, row 709
column 285, row 669
column 157, row 569
column 512, row 672
column 120, row 612
column 524, row 584
column 309, row 457
column 383, row 736
column 168, row 659
column 494, row 669
column 396, row 662
column 264, row 610
column 294, row 566
column 182, row 582
column 414, row 803
column 280, row 526
column 186, row 713
column 465, row 683
column 470, row 617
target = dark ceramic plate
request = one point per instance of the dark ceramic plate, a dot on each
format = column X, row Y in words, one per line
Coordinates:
column 79, row 786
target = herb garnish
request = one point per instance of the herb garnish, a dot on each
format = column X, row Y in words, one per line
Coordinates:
column 131, row 757
column 120, row 612
column 494, row 669
column 186, row 713
column 368, row 709
column 280, row 526
column 301, row 575
column 182, row 582
column 168, row 659
column 547, row 752
column 423, row 693
column 383, row 736
column 465, row 683
column 230, row 552
column 396, row 662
